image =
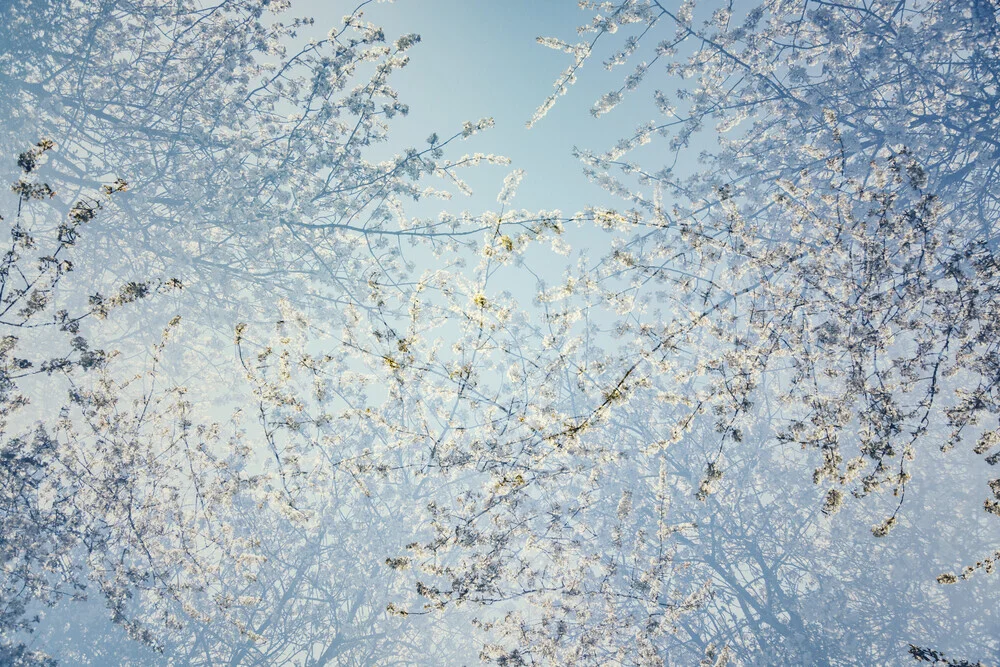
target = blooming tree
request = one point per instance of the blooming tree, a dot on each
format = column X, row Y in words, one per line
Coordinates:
column 842, row 235
column 347, row 443
column 62, row 495
column 832, row 251
column 250, row 177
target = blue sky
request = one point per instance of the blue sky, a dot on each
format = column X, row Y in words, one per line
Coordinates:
column 461, row 71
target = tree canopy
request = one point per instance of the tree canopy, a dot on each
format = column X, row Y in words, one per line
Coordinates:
column 267, row 397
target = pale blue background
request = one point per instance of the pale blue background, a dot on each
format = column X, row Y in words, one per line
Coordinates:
column 461, row 71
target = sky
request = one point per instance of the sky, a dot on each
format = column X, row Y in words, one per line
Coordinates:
column 461, row 71
column 481, row 58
